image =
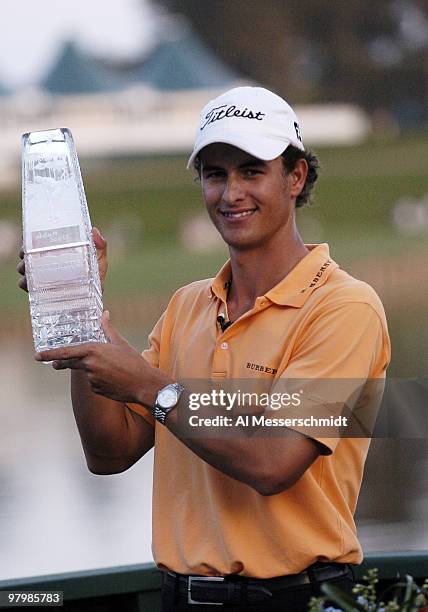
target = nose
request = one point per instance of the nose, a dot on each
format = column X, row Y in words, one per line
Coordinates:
column 233, row 190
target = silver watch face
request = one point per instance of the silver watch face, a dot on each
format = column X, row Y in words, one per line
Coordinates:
column 167, row 398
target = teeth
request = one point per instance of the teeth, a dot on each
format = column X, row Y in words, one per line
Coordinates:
column 238, row 215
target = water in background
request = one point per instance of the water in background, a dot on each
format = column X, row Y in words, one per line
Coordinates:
column 56, row 516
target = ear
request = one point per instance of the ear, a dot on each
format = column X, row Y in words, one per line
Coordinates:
column 297, row 177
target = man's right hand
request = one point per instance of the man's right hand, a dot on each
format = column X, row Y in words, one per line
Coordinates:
column 20, row 268
column 101, row 247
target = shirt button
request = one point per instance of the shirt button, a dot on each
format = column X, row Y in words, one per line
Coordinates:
column 224, row 345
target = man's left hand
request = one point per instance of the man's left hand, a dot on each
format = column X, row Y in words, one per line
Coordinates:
column 115, row 370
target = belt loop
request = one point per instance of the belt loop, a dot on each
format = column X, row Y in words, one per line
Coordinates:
column 243, row 591
column 234, row 592
column 176, row 588
column 313, row 580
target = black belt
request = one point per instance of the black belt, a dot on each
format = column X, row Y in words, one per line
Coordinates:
column 217, row 590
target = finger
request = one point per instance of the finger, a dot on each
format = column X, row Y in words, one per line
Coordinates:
column 99, row 240
column 20, row 268
column 111, row 333
column 22, row 284
column 21, row 253
column 69, row 352
column 69, row 364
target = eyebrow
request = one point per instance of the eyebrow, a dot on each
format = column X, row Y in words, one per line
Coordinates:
column 248, row 164
column 254, row 161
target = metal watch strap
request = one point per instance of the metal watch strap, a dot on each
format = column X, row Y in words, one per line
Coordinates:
column 160, row 413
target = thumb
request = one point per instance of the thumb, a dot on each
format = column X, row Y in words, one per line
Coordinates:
column 99, row 240
column 112, row 334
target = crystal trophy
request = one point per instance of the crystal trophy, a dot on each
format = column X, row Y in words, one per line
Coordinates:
column 60, row 257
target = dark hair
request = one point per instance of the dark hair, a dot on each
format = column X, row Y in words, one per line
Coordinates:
column 290, row 157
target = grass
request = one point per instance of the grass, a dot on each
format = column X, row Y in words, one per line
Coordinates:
column 160, row 271
column 144, row 202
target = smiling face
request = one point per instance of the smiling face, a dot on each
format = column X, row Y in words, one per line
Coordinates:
column 250, row 201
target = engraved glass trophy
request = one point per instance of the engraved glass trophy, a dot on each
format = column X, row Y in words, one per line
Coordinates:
column 60, row 256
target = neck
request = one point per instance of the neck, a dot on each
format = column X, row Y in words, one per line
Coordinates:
column 256, row 271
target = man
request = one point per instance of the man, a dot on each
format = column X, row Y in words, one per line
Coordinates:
column 250, row 521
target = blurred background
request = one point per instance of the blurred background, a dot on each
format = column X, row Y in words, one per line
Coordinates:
column 129, row 79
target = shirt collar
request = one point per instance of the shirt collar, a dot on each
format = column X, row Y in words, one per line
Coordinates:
column 294, row 289
column 220, row 284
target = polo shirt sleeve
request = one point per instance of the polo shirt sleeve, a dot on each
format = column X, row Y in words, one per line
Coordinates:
column 337, row 369
column 151, row 354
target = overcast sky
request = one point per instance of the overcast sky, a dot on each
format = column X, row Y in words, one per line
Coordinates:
column 31, row 31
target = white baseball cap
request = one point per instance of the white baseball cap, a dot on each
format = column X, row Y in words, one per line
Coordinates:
column 251, row 118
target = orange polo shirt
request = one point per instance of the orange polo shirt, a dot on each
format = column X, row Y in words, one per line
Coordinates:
column 317, row 323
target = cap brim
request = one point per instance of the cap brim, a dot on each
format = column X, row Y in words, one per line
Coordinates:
column 262, row 148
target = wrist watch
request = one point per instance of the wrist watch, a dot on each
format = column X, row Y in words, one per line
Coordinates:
column 167, row 399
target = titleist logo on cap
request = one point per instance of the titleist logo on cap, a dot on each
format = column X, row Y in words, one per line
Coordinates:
column 223, row 111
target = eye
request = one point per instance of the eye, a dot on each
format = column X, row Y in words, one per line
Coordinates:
column 214, row 174
column 251, row 172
